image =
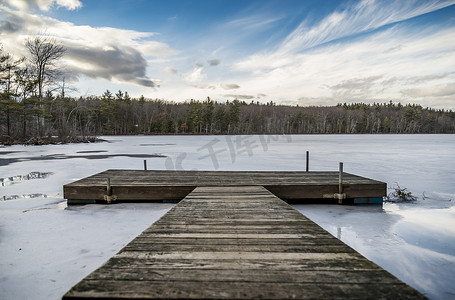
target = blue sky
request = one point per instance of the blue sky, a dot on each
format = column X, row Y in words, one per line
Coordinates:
column 290, row 52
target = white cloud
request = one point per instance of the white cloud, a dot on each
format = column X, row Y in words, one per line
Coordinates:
column 195, row 75
column 154, row 48
column 317, row 63
column 362, row 70
column 418, row 70
column 447, row 90
column 170, row 70
column 314, row 64
column 356, row 88
column 106, row 52
column 203, row 86
column 69, row 4
column 44, row 5
column 430, row 77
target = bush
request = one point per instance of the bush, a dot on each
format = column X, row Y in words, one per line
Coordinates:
column 400, row 194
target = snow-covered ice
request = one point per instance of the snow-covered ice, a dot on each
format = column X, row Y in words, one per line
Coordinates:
column 47, row 247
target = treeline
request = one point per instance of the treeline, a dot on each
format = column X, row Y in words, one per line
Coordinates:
column 120, row 114
column 34, row 105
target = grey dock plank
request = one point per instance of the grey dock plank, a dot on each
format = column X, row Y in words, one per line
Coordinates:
column 155, row 185
column 238, row 243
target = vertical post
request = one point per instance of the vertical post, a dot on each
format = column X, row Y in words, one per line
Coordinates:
column 340, row 195
column 307, row 161
column 145, row 165
column 340, row 179
column 108, row 190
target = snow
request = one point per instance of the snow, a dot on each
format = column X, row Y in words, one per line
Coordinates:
column 47, row 247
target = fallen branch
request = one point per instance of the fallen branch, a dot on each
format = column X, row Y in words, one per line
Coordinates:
column 400, row 194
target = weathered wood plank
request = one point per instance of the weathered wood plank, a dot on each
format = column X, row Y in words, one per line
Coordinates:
column 353, row 263
column 107, row 289
column 238, row 243
column 145, row 239
column 238, row 275
column 139, row 185
column 256, row 248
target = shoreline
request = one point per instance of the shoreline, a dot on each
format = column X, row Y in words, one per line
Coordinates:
column 40, row 141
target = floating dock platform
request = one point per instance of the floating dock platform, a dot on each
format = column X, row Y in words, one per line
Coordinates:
column 235, row 242
column 298, row 187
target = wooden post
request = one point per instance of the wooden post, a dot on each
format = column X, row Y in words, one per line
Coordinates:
column 145, row 165
column 108, row 190
column 307, row 161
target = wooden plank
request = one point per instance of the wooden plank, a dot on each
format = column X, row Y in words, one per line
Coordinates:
column 238, row 243
column 106, row 289
column 248, row 275
column 131, row 185
column 144, row 239
column 254, row 247
column 307, row 191
column 353, row 263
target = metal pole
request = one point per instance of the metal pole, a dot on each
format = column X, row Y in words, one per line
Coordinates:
column 308, row 161
column 340, row 179
column 145, row 165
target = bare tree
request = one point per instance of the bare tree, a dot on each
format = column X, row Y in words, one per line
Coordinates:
column 45, row 53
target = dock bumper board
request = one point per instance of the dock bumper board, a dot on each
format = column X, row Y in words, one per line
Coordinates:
column 368, row 200
column 81, row 201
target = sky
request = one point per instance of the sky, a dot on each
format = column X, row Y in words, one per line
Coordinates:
column 287, row 51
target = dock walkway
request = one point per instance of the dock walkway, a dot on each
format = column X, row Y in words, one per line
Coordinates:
column 238, row 242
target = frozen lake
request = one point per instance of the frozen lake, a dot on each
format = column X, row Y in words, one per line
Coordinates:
column 47, row 247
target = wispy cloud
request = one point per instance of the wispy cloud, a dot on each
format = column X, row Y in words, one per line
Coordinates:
column 196, row 75
column 361, row 70
column 365, row 16
column 429, row 77
column 355, row 87
column 252, row 22
column 447, row 90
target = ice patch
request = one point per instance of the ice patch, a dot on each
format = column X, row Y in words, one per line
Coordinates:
column 61, row 156
column 18, row 178
column 60, row 245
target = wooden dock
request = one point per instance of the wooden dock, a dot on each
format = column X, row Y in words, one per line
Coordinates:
column 238, row 242
column 137, row 185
